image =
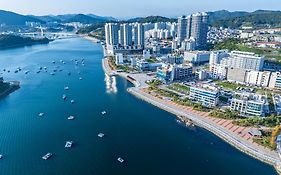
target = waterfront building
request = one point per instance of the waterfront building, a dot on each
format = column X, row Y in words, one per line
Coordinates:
column 133, row 61
column 250, row 105
column 127, row 35
column 205, row 94
column 169, row 73
column 111, row 34
column 140, row 36
column 197, row 57
column 119, row 59
column 143, row 65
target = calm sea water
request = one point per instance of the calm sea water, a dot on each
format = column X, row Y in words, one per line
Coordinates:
column 149, row 139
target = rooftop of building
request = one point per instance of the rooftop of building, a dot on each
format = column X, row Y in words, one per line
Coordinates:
column 206, row 87
column 237, row 53
column 198, row 52
column 258, row 98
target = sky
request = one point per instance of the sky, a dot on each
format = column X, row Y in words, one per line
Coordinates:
column 133, row 8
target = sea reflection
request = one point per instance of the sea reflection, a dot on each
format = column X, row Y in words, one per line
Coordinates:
column 110, row 82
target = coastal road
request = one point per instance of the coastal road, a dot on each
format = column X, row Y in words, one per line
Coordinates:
column 221, row 132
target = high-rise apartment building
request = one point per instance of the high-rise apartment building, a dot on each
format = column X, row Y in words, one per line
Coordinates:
column 111, row 34
column 126, row 33
column 199, row 29
column 140, row 35
column 195, row 26
column 182, row 29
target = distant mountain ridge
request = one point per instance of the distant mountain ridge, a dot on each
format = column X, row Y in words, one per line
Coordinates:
column 11, row 18
column 238, row 19
column 219, row 18
column 224, row 18
column 83, row 18
column 152, row 19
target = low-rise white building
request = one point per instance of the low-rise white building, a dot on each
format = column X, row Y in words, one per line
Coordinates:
column 119, row 59
column 197, row 57
column 250, row 105
column 205, row 94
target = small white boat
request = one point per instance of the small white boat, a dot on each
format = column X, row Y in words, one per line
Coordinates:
column 72, row 101
column 101, row 135
column 120, row 160
column 41, row 114
column 53, row 62
column 1, row 156
column 52, row 73
column 64, row 97
column 47, row 156
column 80, row 78
column 66, row 88
column 68, row 144
column 71, row 117
column 103, row 112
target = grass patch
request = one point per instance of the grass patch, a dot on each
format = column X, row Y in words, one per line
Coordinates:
column 270, row 121
column 227, row 114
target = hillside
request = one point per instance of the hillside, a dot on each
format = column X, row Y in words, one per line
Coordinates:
column 11, row 18
column 224, row 14
column 256, row 19
column 152, row 19
column 12, row 41
column 84, row 19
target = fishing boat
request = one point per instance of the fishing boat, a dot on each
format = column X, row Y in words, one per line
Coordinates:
column 47, row 156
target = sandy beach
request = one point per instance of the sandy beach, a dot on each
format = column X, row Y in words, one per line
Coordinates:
column 95, row 40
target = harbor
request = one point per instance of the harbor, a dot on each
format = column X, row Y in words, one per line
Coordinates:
column 132, row 128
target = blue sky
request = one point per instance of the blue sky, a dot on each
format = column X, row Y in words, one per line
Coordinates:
column 133, row 8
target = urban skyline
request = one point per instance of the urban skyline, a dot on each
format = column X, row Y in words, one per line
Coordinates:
column 133, row 9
